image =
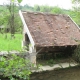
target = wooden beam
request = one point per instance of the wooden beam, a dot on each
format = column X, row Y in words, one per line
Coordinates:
column 27, row 30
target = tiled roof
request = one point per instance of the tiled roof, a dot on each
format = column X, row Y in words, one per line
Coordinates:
column 51, row 30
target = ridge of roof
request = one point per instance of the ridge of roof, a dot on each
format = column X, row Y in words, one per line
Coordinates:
column 51, row 29
column 43, row 13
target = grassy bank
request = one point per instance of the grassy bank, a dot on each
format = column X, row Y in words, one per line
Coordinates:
column 10, row 44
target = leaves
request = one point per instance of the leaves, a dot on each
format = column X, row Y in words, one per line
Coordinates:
column 19, row 1
column 76, row 55
column 56, row 10
column 15, row 65
column 74, row 1
column 12, row 0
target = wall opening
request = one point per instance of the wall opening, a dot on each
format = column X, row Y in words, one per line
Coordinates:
column 26, row 41
column 55, row 54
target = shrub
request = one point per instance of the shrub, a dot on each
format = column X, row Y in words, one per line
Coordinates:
column 15, row 65
column 76, row 55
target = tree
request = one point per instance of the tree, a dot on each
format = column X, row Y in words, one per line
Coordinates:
column 19, row 1
column 26, row 8
column 13, row 10
column 11, row 18
column 76, row 8
column 76, row 4
column 45, row 8
column 36, row 8
column 75, row 1
column 56, row 10
column 76, row 55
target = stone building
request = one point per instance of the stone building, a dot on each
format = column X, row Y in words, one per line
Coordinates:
column 45, row 32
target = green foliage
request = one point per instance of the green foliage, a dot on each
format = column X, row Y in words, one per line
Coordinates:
column 51, row 62
column 75, row 16
column 76, row 8
column 12, row 19
column 19, row 1
column 18, row 24
column 10, row 44
column 3, row 11
column 15, row 66
column 56, row 10
column 5, row 19
column 76, row 5
column 45, row 8
column 76, row 55
column 26, row 8
column 75, row 1
column 36, row 8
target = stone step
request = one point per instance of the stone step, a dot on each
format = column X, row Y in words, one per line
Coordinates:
column 55, row 67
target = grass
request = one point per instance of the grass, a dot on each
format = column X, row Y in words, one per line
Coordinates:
column 10, row 44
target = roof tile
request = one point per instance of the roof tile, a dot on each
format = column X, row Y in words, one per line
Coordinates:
column 51, row 30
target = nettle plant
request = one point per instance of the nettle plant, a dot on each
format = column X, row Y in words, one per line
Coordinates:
column 15, row 66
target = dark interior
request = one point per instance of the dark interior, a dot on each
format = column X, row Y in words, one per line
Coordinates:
column 55, row 52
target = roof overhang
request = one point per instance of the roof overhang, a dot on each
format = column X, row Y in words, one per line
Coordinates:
column 27, row 30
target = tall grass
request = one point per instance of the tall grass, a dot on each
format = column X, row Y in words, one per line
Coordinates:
column 10, row 44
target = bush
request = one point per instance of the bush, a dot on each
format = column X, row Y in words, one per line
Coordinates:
column 76, row 55
column 14, row 65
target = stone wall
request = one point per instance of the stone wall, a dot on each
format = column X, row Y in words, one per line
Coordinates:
column 61, row 74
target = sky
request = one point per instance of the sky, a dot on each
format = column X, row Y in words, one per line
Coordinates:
column 66, row 4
